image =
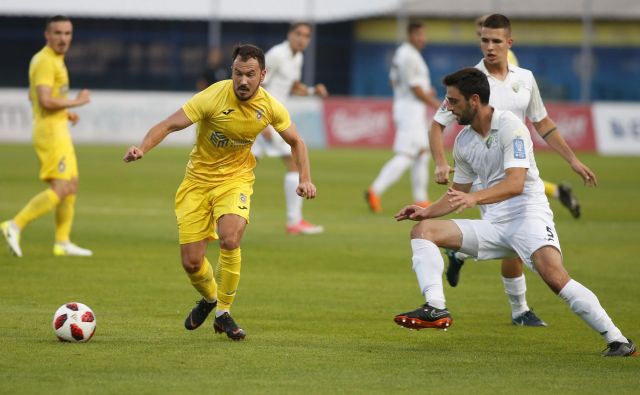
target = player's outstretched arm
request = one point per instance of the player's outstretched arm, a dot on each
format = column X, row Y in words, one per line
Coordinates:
column 548, row 130
column 436, row 145
column 155, row 135
column 449, row 202
column 300, row 156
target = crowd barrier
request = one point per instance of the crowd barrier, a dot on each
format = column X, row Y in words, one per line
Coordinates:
column 123, row 117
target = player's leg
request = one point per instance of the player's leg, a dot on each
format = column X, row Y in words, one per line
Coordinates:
column 196, row 227
column 296, row 224
column 200, row 273
column 583, row 302
column 515, row 287
column 426, row 238
column 65, row 211
column 565, row 195
column 420, row 179
column 231, row 208
column 389, row 175
column 51, row 152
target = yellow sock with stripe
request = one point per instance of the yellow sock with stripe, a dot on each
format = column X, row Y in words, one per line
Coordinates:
column 228, row 276
column 64, row 218
column 203, row 281
column 38, row 206
column 550, row 189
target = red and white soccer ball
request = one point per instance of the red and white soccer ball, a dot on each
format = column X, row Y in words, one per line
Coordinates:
column 74, row 322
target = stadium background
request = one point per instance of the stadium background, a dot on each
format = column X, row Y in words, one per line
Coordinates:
column 585, row 55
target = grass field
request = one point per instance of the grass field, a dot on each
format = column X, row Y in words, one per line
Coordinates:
column 318, row 310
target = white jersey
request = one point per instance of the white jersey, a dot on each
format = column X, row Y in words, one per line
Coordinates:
column 507, row 145
column 408, row 69
column 283, row 69
column 518, row 93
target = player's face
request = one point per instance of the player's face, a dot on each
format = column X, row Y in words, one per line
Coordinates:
column 299, row 38
column 495, row 44
column 247, row 77
column 58, row 36
column 418, row 38
column 462, row 108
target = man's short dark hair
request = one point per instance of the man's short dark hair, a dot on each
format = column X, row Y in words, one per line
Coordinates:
column 413, row 26
column 294, row 25
column 497, row 21
column 56, row 18
column 248, row 51
column 470, row 81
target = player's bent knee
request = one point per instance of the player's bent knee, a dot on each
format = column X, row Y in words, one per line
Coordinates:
column 424, row 230
column 229, row 243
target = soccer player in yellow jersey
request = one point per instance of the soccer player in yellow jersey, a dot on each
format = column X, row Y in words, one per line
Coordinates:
column 214, row 199
column 48, row 90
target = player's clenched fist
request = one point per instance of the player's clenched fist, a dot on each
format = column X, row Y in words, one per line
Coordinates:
column 134, row 153
column 306, row 190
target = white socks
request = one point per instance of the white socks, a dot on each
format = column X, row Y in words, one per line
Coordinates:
column 516, row 289
column 390, row 173
column 429, row 265
column 584, row 303
column 292, row 200
column 420, row 178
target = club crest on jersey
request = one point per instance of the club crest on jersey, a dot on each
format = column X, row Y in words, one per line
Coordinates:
column 62, row 166
column 243, row 198
column 518, row 149
column 258, row 114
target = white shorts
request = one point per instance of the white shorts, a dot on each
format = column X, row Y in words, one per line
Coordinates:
column 274, row 147
column 519, row 237
column 411, row 128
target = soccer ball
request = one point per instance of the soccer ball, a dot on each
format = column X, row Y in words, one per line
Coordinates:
column 74, row 322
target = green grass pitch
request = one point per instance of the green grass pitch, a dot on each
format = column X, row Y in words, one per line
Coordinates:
column 317, row 309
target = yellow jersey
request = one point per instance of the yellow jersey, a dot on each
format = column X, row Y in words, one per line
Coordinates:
column 511, row 58
column 47, row 68
column 227, row 128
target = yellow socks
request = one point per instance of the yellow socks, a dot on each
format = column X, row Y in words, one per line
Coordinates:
column 550, row 189
column 64, row 218
column 38, row 206
column 203, row 281
column 228, row 276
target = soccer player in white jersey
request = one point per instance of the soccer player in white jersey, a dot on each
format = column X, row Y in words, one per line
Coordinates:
column 496, row 148
column 284, row 71
column 412, row 92
column 513, row 89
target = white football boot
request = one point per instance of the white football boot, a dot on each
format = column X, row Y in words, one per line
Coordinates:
column 70, row 249
column 11, row 234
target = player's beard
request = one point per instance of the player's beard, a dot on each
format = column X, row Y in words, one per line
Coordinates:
column 245, row 94
column 467, row 116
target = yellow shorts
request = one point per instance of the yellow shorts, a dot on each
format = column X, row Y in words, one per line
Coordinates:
column 199, row 206
column 55, row 150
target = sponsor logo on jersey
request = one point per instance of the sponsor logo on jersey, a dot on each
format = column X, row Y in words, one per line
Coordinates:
column 518, row 149
column 229, row 111
column 219, row 140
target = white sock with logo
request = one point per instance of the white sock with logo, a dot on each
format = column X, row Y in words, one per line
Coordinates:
column 390, row 173
column 428, row 266
column 292, row 200
column 516, row 290
column 585, row 303
column 420, row 178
